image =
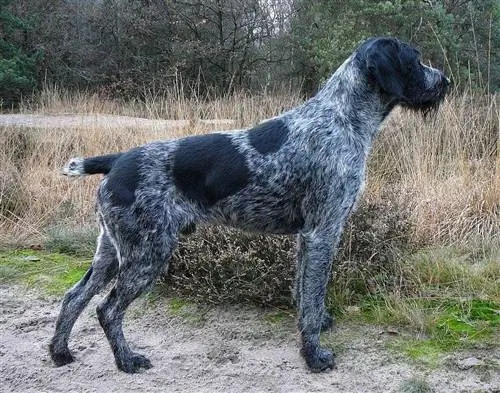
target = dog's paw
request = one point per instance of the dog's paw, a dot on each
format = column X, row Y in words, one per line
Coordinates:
column 318, row 359
column 134, row 363
column 61, row 358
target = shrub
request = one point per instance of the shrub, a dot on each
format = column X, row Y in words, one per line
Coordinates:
column 221, row 265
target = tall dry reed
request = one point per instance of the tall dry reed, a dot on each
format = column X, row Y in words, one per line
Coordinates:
column 443, row 171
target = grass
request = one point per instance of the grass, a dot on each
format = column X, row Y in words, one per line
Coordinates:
column 51, row 273
column 455, row 326
column 450, row 299
column 421, row 253
column 415, row 385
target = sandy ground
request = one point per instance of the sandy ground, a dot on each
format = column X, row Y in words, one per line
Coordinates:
column 219, row 350
column 102, row 121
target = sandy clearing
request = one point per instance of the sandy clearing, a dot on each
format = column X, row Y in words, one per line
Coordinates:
column 101, row 121
column 233, row 350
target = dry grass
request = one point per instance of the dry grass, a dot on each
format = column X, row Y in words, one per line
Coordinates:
column 433, row 182
column 443, row 172
column 242, row 107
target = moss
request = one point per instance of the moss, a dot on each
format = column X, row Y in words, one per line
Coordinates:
column 455, row 325
column 52, row 272
column 425, row 351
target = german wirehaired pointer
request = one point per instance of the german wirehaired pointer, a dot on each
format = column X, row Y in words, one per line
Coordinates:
column 298, row 173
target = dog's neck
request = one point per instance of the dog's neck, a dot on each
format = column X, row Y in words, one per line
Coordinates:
column 348, row 95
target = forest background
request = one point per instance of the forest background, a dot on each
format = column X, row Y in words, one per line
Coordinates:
column 127, row 48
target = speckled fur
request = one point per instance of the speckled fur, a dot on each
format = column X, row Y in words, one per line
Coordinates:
column 306, row 182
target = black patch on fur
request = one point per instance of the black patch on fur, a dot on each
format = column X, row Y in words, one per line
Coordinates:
column 208, row 168
column 268, row 137
column 100, row 164
column 188, row 229
column 123, row 178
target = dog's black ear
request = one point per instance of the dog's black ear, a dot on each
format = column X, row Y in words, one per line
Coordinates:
column 384, row 65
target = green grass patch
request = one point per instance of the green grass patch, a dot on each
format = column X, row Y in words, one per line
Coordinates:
column 278, row 317
column 424, row 351
column 189, row 312
column 445, row 325
column 469, row 320
column 176, row 305
column 54, row 273
column 450, row 298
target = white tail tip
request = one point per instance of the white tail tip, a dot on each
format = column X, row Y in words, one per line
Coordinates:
column 74, row 167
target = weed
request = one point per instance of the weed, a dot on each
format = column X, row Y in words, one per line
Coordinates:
column 416, row 385
column 72, row 240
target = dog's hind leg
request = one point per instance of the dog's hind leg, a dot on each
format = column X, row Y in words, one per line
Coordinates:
column 104, row 267
column 140, row 265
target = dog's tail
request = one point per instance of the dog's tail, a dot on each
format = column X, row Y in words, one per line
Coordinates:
column 90, row 166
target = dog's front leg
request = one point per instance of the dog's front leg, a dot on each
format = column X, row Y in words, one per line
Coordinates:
column 327, row 321
column 316, row 257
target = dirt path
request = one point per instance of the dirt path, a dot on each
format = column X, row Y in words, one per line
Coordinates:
column 86, row 121
column 230, row 351
column 101, row 121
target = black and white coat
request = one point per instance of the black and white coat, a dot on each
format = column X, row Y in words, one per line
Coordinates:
column 298, row 173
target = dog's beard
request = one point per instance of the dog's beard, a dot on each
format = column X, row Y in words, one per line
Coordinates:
column 427, row 106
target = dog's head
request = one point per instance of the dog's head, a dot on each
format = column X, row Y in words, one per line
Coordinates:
column 396, row 69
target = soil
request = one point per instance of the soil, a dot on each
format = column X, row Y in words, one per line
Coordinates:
column 212, row 350
column 105, row 121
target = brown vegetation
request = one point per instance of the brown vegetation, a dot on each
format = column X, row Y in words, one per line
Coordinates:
column 431, row 182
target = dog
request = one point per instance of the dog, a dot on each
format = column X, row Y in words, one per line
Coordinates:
column 298, row 173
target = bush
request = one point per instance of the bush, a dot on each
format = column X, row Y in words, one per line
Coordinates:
column 221, row 265
column 375, row 240
column 79, row 241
